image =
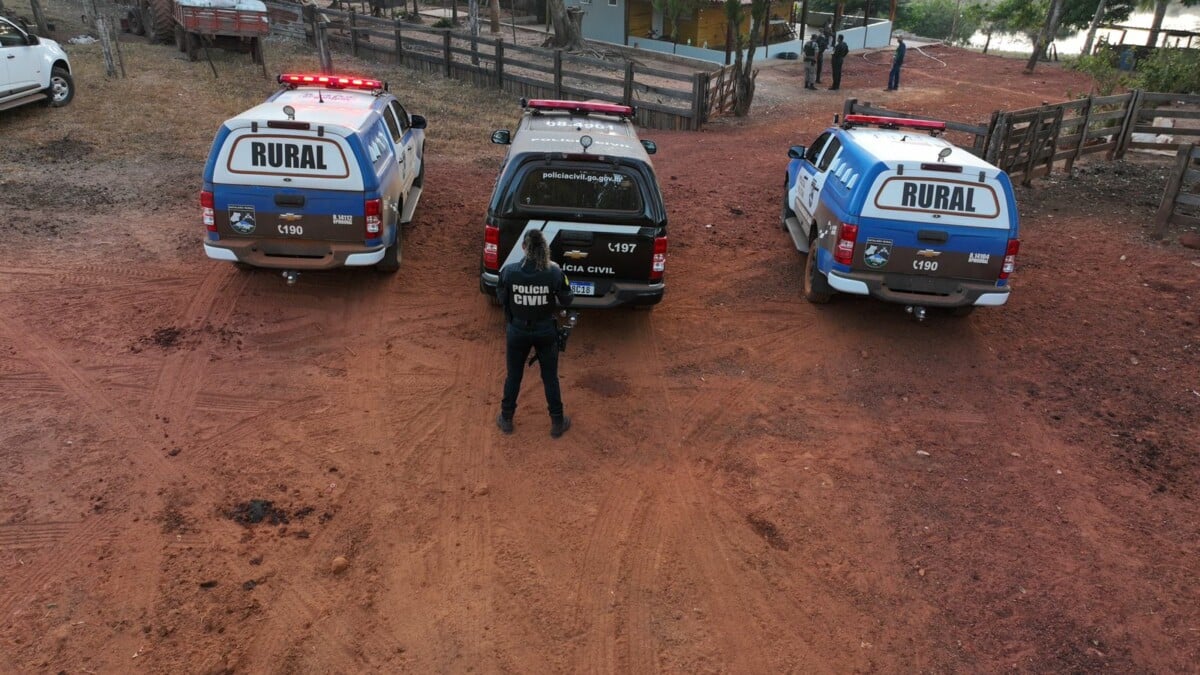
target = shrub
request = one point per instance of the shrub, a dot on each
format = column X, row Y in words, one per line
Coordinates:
column 1170, row 70
column 1102, row 66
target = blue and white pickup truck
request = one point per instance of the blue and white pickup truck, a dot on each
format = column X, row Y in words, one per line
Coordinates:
column 885, row 207
column 321, row 175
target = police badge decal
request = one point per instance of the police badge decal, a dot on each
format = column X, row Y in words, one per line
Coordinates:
column 241, row 219
column 877, row 252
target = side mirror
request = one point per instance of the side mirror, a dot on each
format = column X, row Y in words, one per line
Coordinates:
column 417, row 122
column 501, row 137
column 796, row 152
column 31, row 39
column 650, row 146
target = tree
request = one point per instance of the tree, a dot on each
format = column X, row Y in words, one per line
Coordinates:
column 672, row 11
column 1160, row 12
column 941, row 19
column 568, row 27
column 743, row 69
column 1049, row 29
column 494, row 16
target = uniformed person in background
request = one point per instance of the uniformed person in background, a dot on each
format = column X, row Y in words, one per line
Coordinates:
column 532, row 291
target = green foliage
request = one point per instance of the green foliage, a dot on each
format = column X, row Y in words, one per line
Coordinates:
column 673, row 11
column 1103, row 69
column 936, row 19
column 1169, row 70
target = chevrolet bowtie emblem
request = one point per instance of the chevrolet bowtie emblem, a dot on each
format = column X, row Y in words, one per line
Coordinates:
column 575, row 255
column 289, row 216
column 928, row 253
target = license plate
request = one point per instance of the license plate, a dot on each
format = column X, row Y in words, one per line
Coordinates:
column 583, row 288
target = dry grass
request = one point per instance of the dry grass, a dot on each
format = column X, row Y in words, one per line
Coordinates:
column 167, row 106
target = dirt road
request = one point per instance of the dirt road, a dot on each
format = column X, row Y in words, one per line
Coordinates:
column 753, row 484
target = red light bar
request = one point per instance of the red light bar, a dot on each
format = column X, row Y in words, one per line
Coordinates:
column 331, row 81
column 896, row 122
column 580, row 107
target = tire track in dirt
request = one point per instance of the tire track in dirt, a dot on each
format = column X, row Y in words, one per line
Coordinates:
column 51, row 560
column 180, row 379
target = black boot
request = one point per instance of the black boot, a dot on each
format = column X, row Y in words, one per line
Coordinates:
column 559, row 426
column 505, row 423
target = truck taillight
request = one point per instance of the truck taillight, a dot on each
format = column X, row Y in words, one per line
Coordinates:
column 373, row 210
column 658, row 264
column 206, row 210
column 1010, row 258
column 844, row 253
column 491, row 248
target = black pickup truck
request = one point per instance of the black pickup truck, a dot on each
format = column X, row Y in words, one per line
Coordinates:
column 578, row 172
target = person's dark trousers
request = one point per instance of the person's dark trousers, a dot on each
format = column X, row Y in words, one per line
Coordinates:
column 836, row 67
column 820, row 65
column 543, row 338
column 894, row 78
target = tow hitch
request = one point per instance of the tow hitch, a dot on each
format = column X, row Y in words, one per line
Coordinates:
column 290, row 276
column 917, row 311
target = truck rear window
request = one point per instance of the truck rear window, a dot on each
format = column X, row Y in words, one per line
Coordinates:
column 579, row 188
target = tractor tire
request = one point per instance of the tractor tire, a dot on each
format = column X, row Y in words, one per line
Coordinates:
column 160, row 25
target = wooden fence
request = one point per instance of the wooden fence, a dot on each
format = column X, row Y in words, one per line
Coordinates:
column 664, row 99
column 1181, row 200
column 1029, row 143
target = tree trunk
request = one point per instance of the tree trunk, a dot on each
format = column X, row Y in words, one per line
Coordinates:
column 1160, row 10
column 494, row 16
column 1053, row 18
column 1091, row 36
column 568, row 27
column 473, row 17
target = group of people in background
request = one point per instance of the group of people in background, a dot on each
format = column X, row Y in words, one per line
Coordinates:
column 814, row 57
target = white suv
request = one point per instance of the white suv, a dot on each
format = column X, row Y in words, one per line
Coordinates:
column 32, row 69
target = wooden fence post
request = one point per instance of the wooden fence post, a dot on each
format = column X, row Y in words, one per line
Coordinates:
column 323, row 53
column 627, row 92
column 558, row 92
column 446, row 50
column 699, row 96
column 499, row 63
column 353, row 33
column 1127, row 125
column 1083, row 132
column 1183, row 158
column 399, row 44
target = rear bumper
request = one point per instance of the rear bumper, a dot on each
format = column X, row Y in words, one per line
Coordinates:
column 916, row 290
column 303, row 256
column 619, row 294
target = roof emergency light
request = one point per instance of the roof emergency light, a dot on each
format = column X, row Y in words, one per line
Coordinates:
column 331, row 82
column 894, row 122
column 578, row 107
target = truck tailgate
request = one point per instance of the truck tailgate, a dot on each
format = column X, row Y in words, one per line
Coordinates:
column 596, row 255
column 955, row 252
column 242, row 211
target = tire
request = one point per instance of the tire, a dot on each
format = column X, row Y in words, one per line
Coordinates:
column 787, row 211
column 816, row 287
column 61, row 89
column 160, row 25
column 420, row 179
column 965, row 310
column 391, row 255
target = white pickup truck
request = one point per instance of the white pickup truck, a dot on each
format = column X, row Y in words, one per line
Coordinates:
column 32, row 69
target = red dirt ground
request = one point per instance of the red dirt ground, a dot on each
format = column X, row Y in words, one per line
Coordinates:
column 753, row 484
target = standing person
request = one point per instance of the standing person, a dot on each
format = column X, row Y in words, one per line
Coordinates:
column 810, row 63
column 822, row 45
column 897, row 61
column 840, row 50
column 531, row 291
